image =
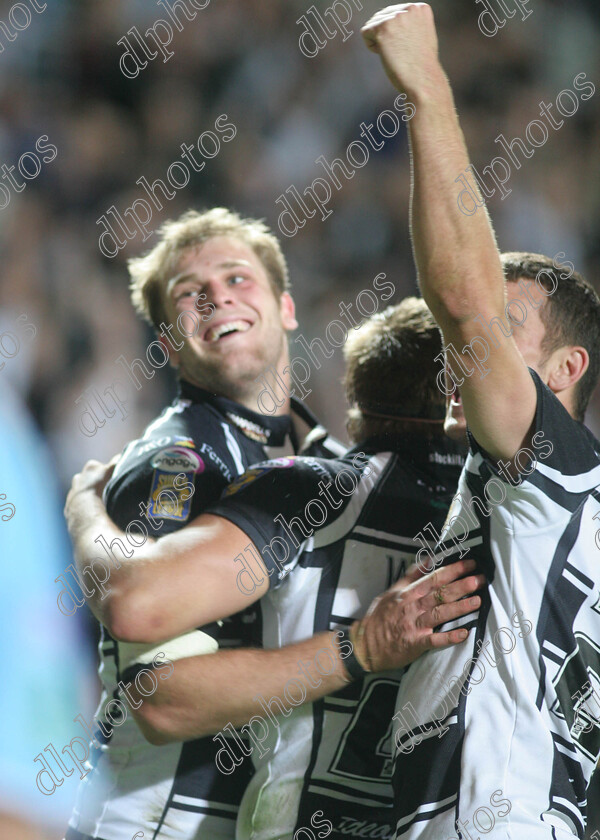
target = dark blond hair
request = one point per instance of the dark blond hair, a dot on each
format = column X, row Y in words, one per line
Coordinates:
column 151, row 272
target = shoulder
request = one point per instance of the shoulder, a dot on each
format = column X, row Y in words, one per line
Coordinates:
column 564, row 445
column 320, row 444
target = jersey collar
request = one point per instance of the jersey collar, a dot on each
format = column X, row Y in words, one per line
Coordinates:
column 268, row 431
column 438, row 452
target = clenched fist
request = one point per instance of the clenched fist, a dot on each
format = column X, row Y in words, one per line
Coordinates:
column 405, row 38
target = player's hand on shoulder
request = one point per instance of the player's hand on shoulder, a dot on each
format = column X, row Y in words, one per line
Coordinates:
column 404, row 36
column 399, row 624
column 91, row 480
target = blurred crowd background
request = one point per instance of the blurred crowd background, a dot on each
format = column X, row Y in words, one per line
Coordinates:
column 60, row 77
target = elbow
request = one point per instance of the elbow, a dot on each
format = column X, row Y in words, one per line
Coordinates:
column 168, row 722
column 449, row 305
column 129, row 617
column 455, row 300
column 153, row 723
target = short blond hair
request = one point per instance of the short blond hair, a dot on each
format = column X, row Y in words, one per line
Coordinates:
column 150, row 273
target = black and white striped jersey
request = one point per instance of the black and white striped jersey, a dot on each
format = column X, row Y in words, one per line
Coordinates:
column 333, row 535
column 175, row 790
column 503, row 733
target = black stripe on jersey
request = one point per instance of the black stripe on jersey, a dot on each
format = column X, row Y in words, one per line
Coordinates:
column 557, row 493
column 416, row 786
column 580, row 576
column 350, row 791
column 561, row 602
column 567, row 777
column 341, row 619
column 422, row 787
column 204, row 809
column 383, row 542
column 324, row 604
column 551, row 654
column 485, row 566
column 201, row 779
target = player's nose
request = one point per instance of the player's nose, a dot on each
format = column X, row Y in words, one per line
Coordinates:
column 219, row 293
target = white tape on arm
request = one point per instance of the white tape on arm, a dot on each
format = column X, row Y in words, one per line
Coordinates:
column 195, row 643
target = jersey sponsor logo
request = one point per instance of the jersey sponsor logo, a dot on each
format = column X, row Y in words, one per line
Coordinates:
column 251, row 475
column 170, row 495
column 150, row 446
column 177, row 460
column 208, row 452
column 182, row 441
column 446, row 458
column 352, row 827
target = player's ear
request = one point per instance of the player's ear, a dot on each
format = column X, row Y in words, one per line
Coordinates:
column 172, row 354
column 287, row 307
column 566, row 367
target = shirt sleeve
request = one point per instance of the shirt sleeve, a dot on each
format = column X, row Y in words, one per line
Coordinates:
column 163, row 489
column 269, row 503
column 559, row 442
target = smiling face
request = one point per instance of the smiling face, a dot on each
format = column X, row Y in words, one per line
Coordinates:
column 246, row 334
column 528, row 337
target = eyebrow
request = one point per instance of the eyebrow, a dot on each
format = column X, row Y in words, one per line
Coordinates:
column 185, row 276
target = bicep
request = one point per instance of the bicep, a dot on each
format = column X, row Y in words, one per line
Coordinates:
column 195, row 576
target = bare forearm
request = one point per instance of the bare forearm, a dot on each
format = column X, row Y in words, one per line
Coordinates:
column 88, row 521
column 166, row 587
column 456, row 254
column 207, row 692
column 19, row 828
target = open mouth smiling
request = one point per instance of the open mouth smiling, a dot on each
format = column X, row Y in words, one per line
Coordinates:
column 226, row 329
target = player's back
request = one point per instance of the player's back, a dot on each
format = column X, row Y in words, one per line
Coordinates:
column 349, row 525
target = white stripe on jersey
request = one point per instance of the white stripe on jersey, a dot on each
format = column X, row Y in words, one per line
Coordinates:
column 234, row 448
column 571, row 483
column 343, row 797
column 204, row 803
column 176, row 408
column 344, row 523
column 385, row 535
column 425, row 809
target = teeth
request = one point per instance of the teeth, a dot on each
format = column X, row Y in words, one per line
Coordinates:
column 215, row 333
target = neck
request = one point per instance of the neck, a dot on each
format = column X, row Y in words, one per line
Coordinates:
column 269, row 393
column 273, row 388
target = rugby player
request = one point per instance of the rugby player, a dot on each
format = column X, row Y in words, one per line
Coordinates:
column 338, row 532
column 522, row 715
column 215, row 288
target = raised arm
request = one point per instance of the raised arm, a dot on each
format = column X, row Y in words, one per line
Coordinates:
column 458, row 263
